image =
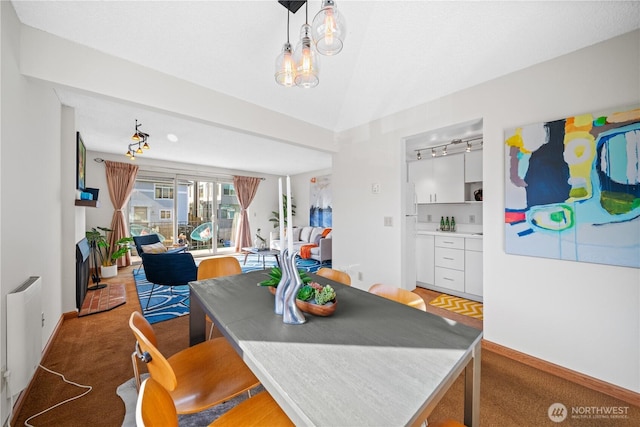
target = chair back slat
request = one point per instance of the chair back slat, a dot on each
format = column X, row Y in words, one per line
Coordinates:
column 218, row 267
column 400, row 295
column 336, row 275
column 158, row 366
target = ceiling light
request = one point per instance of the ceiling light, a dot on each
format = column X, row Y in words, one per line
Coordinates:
column 140, row 143
column 419, row 156
column 329, row 29
column 305, row 57
column 454, row 143
column 172, row 137
column 285, row 66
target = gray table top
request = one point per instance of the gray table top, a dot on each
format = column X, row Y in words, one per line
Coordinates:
column 373, row 362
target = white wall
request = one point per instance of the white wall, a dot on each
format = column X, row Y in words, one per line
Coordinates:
column 30, row 178
column 585, row 317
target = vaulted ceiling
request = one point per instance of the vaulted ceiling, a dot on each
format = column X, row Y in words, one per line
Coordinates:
column 398, row 54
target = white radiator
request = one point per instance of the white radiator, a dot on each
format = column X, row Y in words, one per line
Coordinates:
column 24, row 333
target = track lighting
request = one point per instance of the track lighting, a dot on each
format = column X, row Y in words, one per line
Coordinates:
column 446, row 147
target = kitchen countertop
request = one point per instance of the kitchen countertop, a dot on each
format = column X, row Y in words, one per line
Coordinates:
column 450, row 233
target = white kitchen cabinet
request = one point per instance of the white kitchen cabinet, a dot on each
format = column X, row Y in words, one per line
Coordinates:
column 421, row 174
column 450, row 263
column 473, row 267
column 473, row 166
column 438, row 180
column 425, row 259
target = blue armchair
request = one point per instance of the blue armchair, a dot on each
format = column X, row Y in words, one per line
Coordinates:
column 169, row 269
column 149, row 239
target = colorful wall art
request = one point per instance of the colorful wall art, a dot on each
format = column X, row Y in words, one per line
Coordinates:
column 572, row 189
column 320, row 212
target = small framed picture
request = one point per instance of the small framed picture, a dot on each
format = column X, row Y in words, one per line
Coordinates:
column 81, row 162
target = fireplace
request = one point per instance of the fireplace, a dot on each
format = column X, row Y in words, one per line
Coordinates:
column 82, row 270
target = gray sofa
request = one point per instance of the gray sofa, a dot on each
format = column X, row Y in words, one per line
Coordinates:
column 309, row 235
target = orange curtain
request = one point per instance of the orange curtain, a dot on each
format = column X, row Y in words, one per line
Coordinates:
column 246, row 188
column 120, row 180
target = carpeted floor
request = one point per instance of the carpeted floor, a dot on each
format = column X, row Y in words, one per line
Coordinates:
column 96, row 350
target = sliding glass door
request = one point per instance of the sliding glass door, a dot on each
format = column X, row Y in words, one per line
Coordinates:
column 199, row 211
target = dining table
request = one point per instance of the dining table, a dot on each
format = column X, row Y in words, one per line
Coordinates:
column 373, row 362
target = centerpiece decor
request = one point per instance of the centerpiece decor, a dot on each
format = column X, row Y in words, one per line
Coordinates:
column 291, row 313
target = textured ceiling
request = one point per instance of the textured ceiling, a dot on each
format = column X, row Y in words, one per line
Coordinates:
column 398, row 54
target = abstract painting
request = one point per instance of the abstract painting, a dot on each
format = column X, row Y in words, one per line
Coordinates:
column 320, row 212
column 572, row 189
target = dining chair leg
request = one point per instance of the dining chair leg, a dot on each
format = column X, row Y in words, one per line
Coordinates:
column 136, row 371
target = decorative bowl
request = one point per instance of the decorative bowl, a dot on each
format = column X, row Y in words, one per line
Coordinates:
column 318, row 310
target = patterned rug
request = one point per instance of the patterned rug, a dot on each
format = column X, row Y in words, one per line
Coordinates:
column 105, row 299
column 459, row 305
column 168, row 302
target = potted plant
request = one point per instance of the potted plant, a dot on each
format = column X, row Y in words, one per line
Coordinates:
column 98, row 239
column 275, row 216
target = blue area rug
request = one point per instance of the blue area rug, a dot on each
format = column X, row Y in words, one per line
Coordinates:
column 166, row 301
column 255, row 263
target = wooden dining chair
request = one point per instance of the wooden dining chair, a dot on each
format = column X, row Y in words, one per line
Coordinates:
column 155, row 408
column 217, row 267
column 400, row 295
column 197, row 377
column 336, row 275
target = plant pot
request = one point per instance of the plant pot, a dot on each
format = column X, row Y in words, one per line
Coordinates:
column 108, row 270
column 318, row 310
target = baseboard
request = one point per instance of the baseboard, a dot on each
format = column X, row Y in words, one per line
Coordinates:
column 612, row 390
column 17, row 407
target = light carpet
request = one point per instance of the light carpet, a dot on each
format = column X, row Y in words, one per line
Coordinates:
column 459, row 305
column 129, row 395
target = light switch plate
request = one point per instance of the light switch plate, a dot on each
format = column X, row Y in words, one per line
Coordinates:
column 375, row 188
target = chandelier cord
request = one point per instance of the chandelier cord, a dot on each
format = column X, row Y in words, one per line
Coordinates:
column 288, row 15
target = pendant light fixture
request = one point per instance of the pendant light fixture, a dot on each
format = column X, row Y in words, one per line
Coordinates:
column 285, row 66
column 139, row 144
column 305, row 57
column 329, row 29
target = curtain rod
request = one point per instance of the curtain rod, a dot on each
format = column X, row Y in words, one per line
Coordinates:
column 178, row 171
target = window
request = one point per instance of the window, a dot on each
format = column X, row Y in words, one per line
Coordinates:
column 163, row 191
column 165, row 215
column 140, row 214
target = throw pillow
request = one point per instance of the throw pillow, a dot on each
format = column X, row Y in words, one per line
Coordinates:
column 315, row 233
column 154, row 248
column 305, row 234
